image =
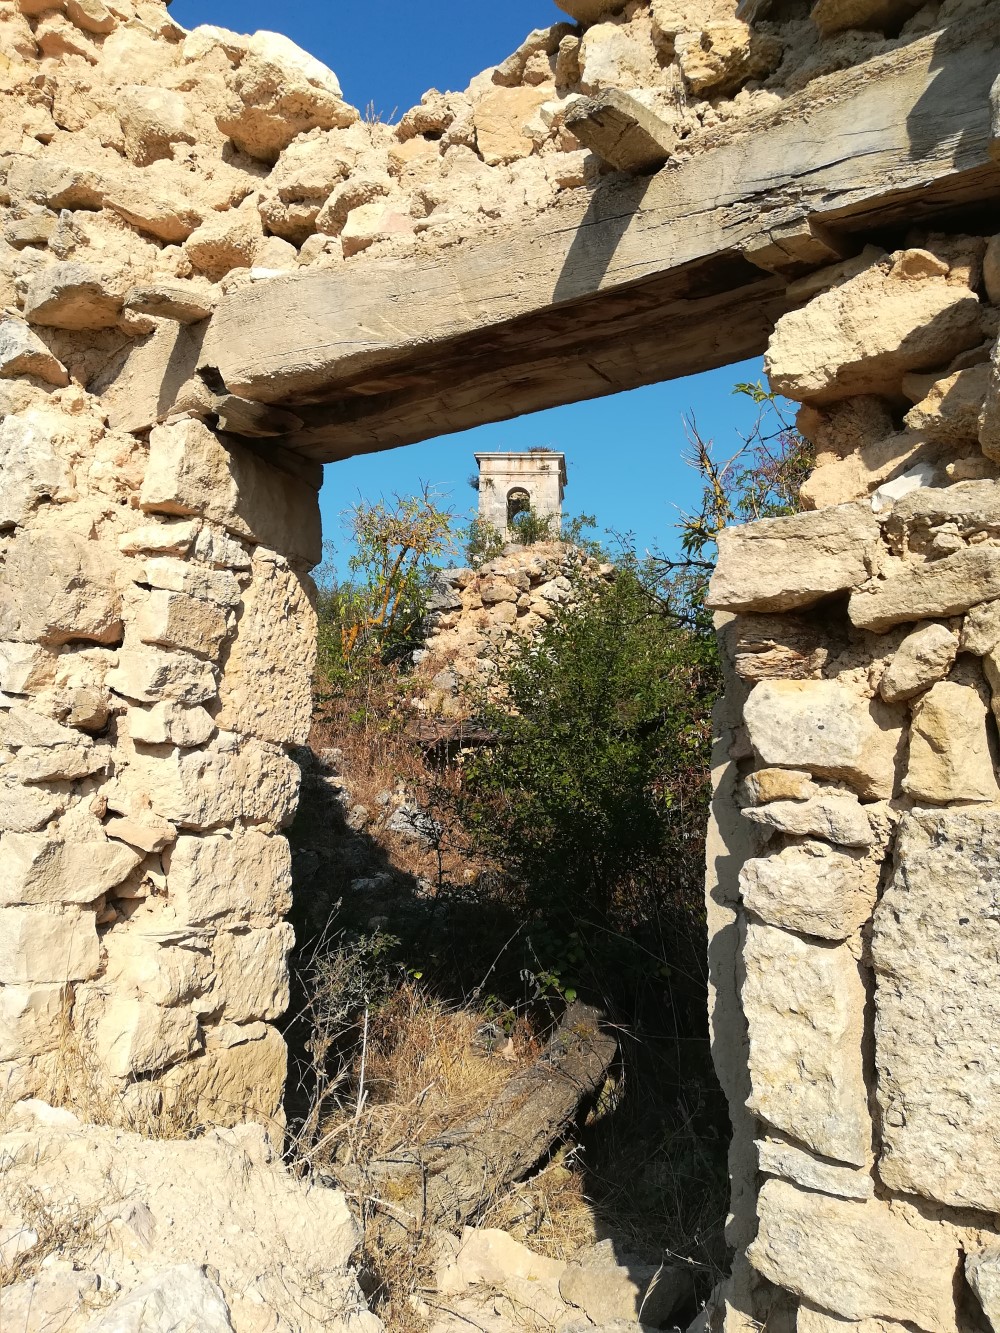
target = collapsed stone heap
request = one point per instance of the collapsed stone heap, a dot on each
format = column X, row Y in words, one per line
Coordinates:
column 475, row 615
column 865, row 643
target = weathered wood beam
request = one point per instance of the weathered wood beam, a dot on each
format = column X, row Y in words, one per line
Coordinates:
column 617, row 343
column 388, row 353
column 621, row 131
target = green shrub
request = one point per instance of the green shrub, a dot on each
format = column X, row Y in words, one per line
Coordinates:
column 593, row 795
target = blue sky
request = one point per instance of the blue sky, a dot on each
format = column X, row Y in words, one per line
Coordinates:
column 624, row 453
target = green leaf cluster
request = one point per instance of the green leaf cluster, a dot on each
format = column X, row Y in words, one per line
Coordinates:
column 593, row 794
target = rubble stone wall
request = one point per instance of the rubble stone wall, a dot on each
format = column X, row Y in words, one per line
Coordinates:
column 156, row 647
column 853, row 902
column 476, row 615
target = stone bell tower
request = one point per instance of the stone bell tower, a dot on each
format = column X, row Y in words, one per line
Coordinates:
column 511, row 484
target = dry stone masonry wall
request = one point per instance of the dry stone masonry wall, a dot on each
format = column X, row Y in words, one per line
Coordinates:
column 854, row 905
column 156, row 622
column 475, row 616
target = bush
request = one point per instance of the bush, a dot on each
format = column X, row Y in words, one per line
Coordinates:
column 374, row 617
column 593, row 795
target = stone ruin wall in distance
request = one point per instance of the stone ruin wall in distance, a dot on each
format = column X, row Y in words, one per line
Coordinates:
column 157, row 630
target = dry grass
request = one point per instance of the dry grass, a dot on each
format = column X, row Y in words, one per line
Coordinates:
column 426, row 1069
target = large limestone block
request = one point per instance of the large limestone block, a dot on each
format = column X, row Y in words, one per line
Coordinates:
column 174, row 620
column 776, row 1157
column 970, row 506
column 780, row 564
column 195, row 580
column 837, row 817
column 140, row 387
column 230, row 780
column 38, row 945
column 983, row 1274
column 31, row 466
column 225, row 241
column 25, row 809
column 22, row 352
column 949, row 412
column 246, row 878
column 192, row 472
column 180, row 1297
column 828, row 729
column 810, row 888
column 267, row 687
column 935, row 949
column 863, row 336
column 280, row 91
column 924, row 657
column 944, row 587
column 837, row 481
column 33, row 1019
column 723, row 54
column 166, row 967
column 613, row 55
column 152, row 675
column 951, row 746
column 164, row 212
column 58, row 588
column 153, row 120
column 66, row 764
column 36, row 868
column 805, row 1006
column 859, row 1260
column 779, row 647
column 981, row 629
column 251, row 973
column 501, row 119
column 169, row 723
column 73, row 296
column 832, row 16
column 136, row 1037
column 240, row 1077
column 589, row 11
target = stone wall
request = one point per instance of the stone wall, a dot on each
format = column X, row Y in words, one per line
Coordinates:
column 156, row 645
column 853, row 905
column 476, row 615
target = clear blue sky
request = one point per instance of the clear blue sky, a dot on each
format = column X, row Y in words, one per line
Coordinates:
column 623, row 453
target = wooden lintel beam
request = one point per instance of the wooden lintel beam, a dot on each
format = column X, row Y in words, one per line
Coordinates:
column 390, row 346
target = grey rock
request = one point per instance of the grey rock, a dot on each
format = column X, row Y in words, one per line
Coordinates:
column 181, row 1298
